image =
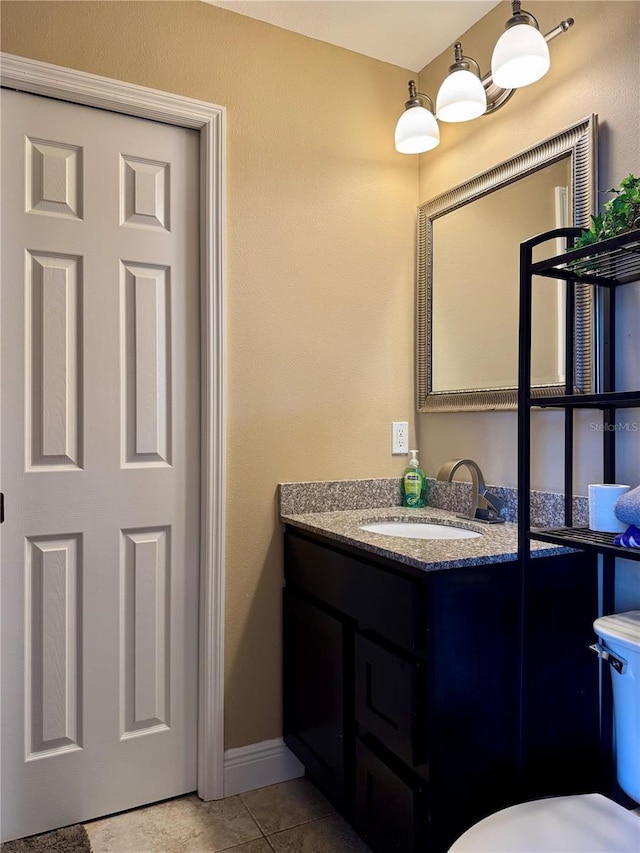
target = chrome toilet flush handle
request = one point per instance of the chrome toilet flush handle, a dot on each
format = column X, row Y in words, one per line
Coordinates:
column 619, row 664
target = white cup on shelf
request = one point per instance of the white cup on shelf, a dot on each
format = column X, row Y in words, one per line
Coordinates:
column 602, row 497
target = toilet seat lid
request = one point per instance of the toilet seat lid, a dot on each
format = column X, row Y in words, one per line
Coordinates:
column 585, row 823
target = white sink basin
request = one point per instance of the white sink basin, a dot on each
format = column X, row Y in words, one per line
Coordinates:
column 419, row 530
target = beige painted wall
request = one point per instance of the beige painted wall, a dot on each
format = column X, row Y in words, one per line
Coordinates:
column 595, row 69
column 320, row 218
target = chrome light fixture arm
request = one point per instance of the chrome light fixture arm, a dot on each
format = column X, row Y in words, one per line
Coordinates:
column 462, row 62
column 498, row 97
column 415, row 98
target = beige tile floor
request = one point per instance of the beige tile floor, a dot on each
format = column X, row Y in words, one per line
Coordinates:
column 292, row 817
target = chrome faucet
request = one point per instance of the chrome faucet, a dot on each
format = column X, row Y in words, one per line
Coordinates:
column 484, row 505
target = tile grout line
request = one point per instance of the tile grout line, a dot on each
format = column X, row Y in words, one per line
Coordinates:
column 303, row 823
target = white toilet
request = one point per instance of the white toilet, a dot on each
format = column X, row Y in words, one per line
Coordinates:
column 584, row 823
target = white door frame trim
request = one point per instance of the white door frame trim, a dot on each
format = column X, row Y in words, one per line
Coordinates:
column 41, row 78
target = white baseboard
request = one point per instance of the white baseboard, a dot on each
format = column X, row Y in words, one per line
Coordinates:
column 258, row 765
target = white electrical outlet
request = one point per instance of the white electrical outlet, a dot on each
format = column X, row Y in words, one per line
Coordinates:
column 399, row 437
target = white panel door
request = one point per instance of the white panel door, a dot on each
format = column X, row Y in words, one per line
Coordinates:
column 99, row 462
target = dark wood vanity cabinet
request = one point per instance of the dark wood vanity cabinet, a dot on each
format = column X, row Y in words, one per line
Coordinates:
column 419, row 702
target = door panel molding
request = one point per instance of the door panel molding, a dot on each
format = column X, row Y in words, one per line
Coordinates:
column 41, row 78
column 53, row 428
column 53, row 645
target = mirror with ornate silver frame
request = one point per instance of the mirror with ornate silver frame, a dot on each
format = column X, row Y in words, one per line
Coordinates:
column 468, row 275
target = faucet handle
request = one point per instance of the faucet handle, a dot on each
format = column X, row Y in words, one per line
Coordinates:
column 496, row 502
column 489, row 505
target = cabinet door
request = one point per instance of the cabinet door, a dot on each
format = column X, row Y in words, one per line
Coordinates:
column 314, row 697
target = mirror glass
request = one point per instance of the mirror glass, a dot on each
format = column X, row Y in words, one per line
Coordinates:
column 468, row 277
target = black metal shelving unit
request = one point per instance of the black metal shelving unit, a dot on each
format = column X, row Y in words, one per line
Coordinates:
column 603, row 268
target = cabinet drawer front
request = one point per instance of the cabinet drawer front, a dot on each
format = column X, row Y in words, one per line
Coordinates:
column 386, row 807
column 379, row 600
column 388, row 691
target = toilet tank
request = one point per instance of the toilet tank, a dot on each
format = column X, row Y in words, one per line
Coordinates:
column 620, row 634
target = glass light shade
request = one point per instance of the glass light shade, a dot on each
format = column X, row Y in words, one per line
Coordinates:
column 417, row 131
column 461, row 97
column 520, row 57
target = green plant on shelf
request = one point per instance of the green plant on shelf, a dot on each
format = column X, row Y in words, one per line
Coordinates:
column 621, row 213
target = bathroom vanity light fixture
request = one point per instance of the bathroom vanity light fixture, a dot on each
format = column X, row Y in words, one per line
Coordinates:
column 417, row 129
column 461, row 96
column 520, row 57
column 521, row 54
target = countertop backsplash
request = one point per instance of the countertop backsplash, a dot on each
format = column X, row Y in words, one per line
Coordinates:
column 337, row 495
column 547, row 508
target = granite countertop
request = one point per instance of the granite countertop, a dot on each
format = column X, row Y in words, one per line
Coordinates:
column 498, row 542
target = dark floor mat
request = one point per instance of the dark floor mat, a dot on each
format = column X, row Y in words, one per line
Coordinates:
column 71, row 839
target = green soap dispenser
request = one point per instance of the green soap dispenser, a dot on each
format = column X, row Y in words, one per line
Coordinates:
column 414, row 483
